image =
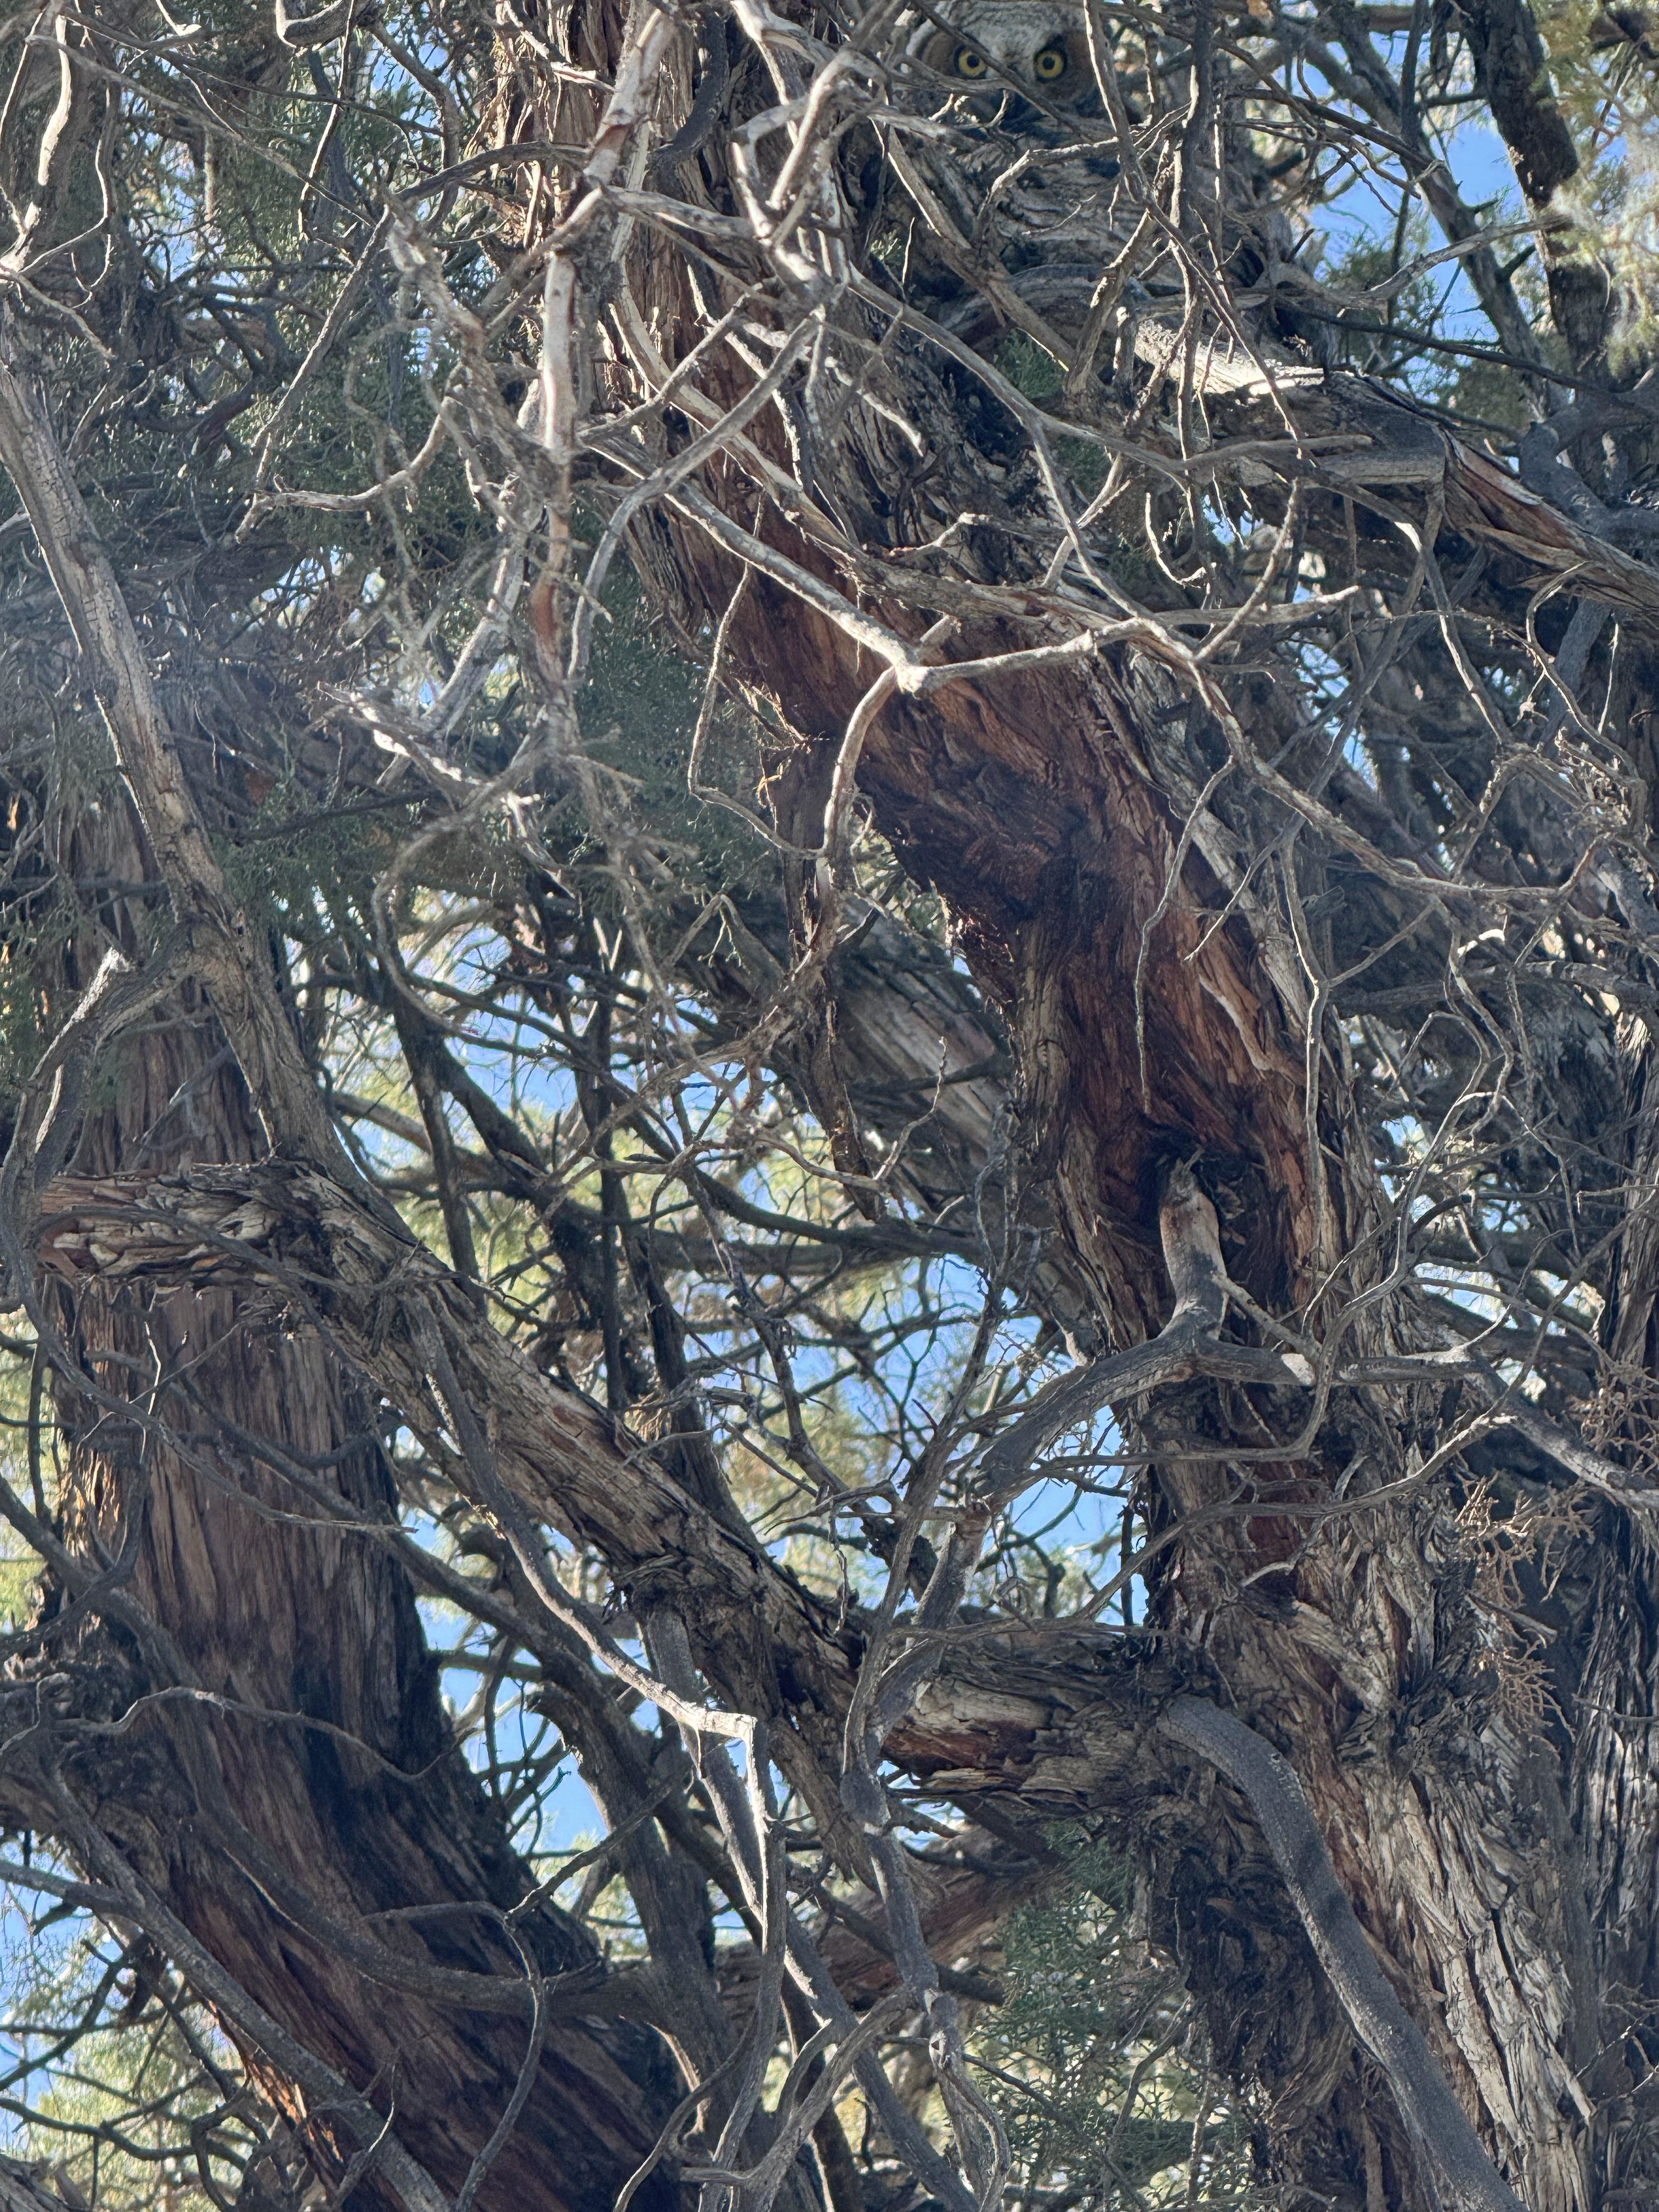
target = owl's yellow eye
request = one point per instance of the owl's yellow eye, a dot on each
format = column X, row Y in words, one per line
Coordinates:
column 1050, row 66
column 967, row 63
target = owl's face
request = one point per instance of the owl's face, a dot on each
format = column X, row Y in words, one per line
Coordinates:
column 1002, row 47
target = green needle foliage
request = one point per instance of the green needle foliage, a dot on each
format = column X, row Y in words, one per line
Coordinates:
column 1096, row 2062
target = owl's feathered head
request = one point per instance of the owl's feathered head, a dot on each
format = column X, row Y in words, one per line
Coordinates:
column 996, row 48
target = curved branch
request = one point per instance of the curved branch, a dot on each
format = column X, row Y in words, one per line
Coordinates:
column 301, row 32
column 1188, row 1343
column 1421, row 2090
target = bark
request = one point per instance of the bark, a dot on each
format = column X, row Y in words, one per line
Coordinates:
column 1174, row 893
column 317, row 1790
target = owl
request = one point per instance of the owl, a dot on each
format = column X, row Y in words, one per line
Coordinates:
column 1029, row 171
column 1014, row 62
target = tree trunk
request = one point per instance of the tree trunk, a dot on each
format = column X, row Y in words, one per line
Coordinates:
column 1036, row 809
column 276, row 1843
column 1161, row 1010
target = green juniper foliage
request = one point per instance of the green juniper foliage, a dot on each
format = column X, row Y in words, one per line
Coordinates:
column 1095, row 2062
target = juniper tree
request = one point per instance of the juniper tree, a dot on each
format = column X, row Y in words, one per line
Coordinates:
column 829, row 941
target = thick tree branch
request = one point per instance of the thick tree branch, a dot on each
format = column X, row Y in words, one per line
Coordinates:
column 1439, row 2122
column 227, row 953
